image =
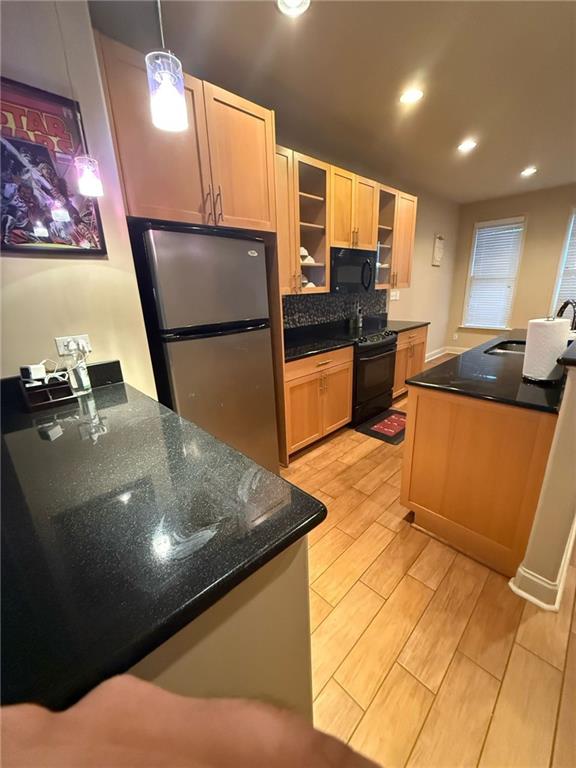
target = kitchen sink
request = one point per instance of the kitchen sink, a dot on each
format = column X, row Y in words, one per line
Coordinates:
column 509, row 347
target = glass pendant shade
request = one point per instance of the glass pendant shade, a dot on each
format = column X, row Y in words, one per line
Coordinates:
column 89, row 183
column 293, row 7
column 166, row 86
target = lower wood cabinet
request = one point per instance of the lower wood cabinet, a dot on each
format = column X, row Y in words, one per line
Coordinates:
column 410, row 357
column 318, row 395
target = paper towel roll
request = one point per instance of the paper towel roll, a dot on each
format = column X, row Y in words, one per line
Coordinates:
column 545, row 341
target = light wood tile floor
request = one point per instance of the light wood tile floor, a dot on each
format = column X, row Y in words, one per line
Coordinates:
column 422, row 657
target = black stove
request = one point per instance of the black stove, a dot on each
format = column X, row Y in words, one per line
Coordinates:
column 374, row 363
column 386, row 338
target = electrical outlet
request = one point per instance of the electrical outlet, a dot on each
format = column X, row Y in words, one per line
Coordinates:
column 455, row 337
column 62, row 343
column 394, row 295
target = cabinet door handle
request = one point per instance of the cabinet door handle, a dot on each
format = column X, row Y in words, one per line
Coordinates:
column 219, row 197
column 211, row 198
column 324, row 362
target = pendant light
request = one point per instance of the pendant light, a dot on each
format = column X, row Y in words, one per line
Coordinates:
column 166, row 86
column 87, row 170
column 293, row 8
column 89, row 182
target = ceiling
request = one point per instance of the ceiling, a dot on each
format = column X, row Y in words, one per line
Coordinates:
column 503, row 72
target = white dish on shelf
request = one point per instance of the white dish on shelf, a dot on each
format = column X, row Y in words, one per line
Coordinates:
column 310, row 284
column 307, row 260
column 303, row 252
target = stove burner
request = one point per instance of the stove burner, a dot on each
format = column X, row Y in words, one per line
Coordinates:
column 375, row 338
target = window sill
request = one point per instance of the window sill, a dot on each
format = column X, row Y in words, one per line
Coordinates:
column 484, row 328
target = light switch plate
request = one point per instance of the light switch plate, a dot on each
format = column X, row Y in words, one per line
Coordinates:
column 394, row 295
column 63, row 341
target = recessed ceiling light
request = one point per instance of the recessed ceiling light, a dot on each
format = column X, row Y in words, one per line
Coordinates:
column 529, row 171
column 467, row 146
column 411, row 96
column 293, row 7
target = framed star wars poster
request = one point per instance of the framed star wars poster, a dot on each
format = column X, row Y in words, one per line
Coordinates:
column 42, row 211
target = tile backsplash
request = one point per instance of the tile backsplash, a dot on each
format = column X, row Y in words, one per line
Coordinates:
column 319, row 308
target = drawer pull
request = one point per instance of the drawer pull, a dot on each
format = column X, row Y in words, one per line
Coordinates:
column 324, row 362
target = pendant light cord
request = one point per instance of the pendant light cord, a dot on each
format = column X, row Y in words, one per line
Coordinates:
column 159, row 7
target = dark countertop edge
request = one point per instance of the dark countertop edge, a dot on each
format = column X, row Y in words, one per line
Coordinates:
column 569, row 356
column 480, row 396
column 330, row 345
column 494, row 399
column 408, row 325
column 131, row 655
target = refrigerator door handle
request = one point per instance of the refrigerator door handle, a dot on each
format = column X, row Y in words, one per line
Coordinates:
column 207, row 331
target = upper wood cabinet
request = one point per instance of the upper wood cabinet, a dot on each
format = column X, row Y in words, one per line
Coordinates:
column 403, row 248
column 396, row 229
column 165, row 175
column 285, row 220
column 219, row 171
column 342, row 208
column 242, row 147
column 354, row 210
column 366, row 213
column 312, row 193
column 302, row 192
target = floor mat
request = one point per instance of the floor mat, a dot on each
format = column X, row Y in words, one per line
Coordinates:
column 389, row 426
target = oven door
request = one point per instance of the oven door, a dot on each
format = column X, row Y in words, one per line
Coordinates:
column 374, row 373
column 352, row 271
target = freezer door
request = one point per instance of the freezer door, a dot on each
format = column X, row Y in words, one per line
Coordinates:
column 205, row 279
column 225, row 385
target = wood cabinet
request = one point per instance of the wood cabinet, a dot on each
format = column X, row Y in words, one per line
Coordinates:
column 164, row 175
column 302, row 191
column 472, row 472
column 219, row 172
column 312, row 193
column 410, row 357
column 403, row 247
column 318, row 395
column 396, row 230
column 288, row 268
column 242, row 145
column 353, row 210
column 303, row 411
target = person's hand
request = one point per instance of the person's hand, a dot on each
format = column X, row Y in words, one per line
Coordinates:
column 128, row 723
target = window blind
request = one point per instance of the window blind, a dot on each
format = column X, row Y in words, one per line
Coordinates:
column 492, row 275
column 566, row 283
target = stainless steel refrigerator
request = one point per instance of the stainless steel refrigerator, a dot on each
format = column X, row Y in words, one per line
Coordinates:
column 211, row 302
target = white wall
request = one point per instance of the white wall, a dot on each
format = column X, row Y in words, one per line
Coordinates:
column 47, row 297
column 429, row 295
column 547, row 213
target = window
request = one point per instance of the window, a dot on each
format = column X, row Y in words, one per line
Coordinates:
column 566, row 281
column 492, row 276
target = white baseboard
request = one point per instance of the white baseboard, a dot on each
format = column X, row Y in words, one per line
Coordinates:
column 445, row 351
column 456, row 350
column 540, row 591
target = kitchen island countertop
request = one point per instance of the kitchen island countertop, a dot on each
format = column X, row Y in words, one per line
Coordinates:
column 122, row 522
column 496, row 377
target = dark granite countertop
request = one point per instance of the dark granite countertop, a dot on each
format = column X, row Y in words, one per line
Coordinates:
column 313, row 339
column 405, row 325
column 492, row 377
column 121, row 523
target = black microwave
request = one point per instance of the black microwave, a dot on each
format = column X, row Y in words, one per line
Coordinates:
column 352, row 271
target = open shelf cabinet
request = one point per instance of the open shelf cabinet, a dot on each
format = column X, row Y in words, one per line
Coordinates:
column 386, row 219
column 311, row 179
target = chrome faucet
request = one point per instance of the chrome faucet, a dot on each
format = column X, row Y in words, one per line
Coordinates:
column 564, row 307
